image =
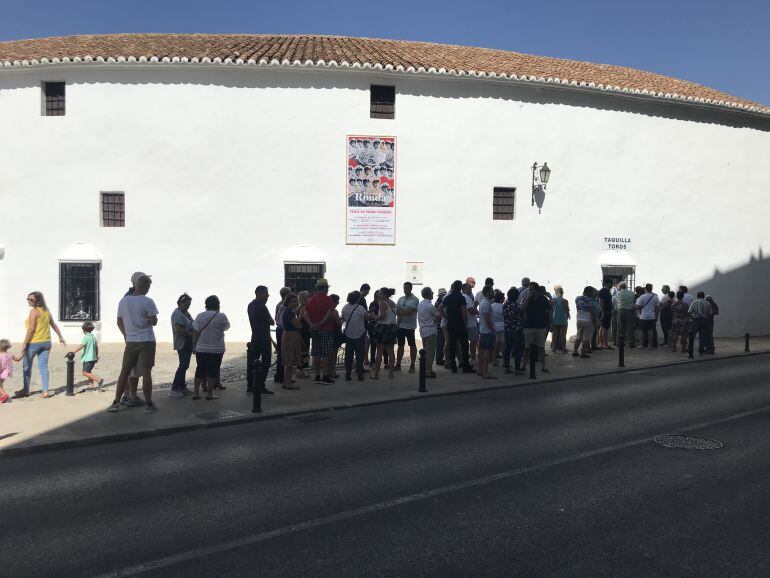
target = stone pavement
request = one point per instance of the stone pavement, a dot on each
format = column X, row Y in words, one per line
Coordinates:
column 36, row 423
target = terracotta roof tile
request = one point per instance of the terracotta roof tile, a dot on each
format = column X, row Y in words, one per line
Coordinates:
column 364, row 51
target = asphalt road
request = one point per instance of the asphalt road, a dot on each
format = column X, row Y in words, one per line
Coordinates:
column 553, row 479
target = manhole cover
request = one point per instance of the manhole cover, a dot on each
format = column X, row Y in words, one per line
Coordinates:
column 309, row 417
column 215, row 415
column 687, row 442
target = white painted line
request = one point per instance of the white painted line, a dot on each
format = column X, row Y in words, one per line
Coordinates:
column 205, row 551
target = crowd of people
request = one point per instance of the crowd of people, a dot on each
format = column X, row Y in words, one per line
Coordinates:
column 461, row 330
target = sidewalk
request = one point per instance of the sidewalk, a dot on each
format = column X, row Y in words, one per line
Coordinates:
column 36, row 424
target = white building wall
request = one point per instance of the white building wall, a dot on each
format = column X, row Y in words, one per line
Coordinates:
column 226, row 170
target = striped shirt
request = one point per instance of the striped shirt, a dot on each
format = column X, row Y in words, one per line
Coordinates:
column 700, row 309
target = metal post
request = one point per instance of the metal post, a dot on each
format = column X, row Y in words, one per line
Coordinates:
column 621, row 351
column 257, row 401
column 422, row 388
column 690, row 345
column 747, row 343
column 70, row 373
column 532, row 361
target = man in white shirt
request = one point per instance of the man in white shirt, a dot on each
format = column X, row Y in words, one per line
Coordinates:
column 407, row 323
column 486, row 332
column 137, row 315
column 688, row 298
column 426, row 317
column 648, row 306
column 480, row 294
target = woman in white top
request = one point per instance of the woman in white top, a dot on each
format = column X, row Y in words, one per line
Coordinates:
column 385, row 331
column 499, row 323
column 209, row 336
column 354, row 314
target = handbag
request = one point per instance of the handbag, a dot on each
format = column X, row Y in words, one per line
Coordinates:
column 197, row 334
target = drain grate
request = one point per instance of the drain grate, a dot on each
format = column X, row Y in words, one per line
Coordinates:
column 687, row 442
column 309, row 417
column 216, row 415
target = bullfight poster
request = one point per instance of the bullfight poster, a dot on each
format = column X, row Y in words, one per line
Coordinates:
column 371, row 190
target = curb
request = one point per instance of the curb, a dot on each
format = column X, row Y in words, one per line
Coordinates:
column 251, row 418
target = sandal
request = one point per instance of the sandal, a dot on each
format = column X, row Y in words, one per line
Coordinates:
column 45, row 395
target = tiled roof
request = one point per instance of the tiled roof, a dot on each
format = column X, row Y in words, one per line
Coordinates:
column 336, row 51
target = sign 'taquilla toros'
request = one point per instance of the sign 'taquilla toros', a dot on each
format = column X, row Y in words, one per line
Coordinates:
column 616, row 243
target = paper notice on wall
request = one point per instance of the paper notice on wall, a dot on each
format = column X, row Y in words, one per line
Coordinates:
column 370, row 190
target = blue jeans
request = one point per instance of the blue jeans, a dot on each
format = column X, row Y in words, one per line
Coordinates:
column 42, row 350
column 514, row 344
column 184, row 364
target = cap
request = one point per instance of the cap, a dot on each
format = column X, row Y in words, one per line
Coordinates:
column 136, row 276
column 321, row 283
column 442, row 291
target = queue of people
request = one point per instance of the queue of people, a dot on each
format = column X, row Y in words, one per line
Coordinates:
column 457, row 331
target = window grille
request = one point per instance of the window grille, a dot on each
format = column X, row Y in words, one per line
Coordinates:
column 503, row 203
column 618, row 273
column 79, row 291
column 53, row 95
column 382, row 101
column 302, row 276
column 113, row 210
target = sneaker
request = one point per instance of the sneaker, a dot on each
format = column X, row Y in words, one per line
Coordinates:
column 134, row 402
column 186, row 391
column 176, row 394
column 327, row 380
column 318, row 380
column 150, row 407
column 411, row 369
column 114, row 406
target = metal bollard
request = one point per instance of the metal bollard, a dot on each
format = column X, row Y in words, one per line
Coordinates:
column 422, row 388
column 70, row 373
column 257, row 401
column 532, row 361
column 621, row 351
column 690, row 346
column 747, row 343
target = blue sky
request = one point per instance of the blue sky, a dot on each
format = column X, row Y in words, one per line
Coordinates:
column 724, row 44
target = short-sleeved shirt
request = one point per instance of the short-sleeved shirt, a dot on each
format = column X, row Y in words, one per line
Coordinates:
column 354, row 316
column 212, row 326
column 584, row 306
column 537, row 312
column 497, row 316
column 178, row 317
column 408, row 321
column 135, row 311
column 485, row 310
column 648, row 303
column 88, row 353
column 288, row 315
column 513, row 316
column 426, row 315
column 453, row 307
column 469, row 305
column 259, row 319
column 605, row 301
column 316, row 308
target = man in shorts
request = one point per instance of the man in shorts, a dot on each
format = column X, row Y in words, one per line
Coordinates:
column 320, row 311
column 137, row 315
column 407, row 324
column 537, row 309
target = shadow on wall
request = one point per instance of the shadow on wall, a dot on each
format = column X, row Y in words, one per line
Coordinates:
column 739, row 294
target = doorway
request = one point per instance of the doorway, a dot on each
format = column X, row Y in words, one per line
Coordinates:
column 302, row 276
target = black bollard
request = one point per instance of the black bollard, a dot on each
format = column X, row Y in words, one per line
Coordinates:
column 690, row 345
column 621, row 351
column 422, row 388
column 747, row 343
column 532, row 361
column 257, row 401
column 70, row 373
